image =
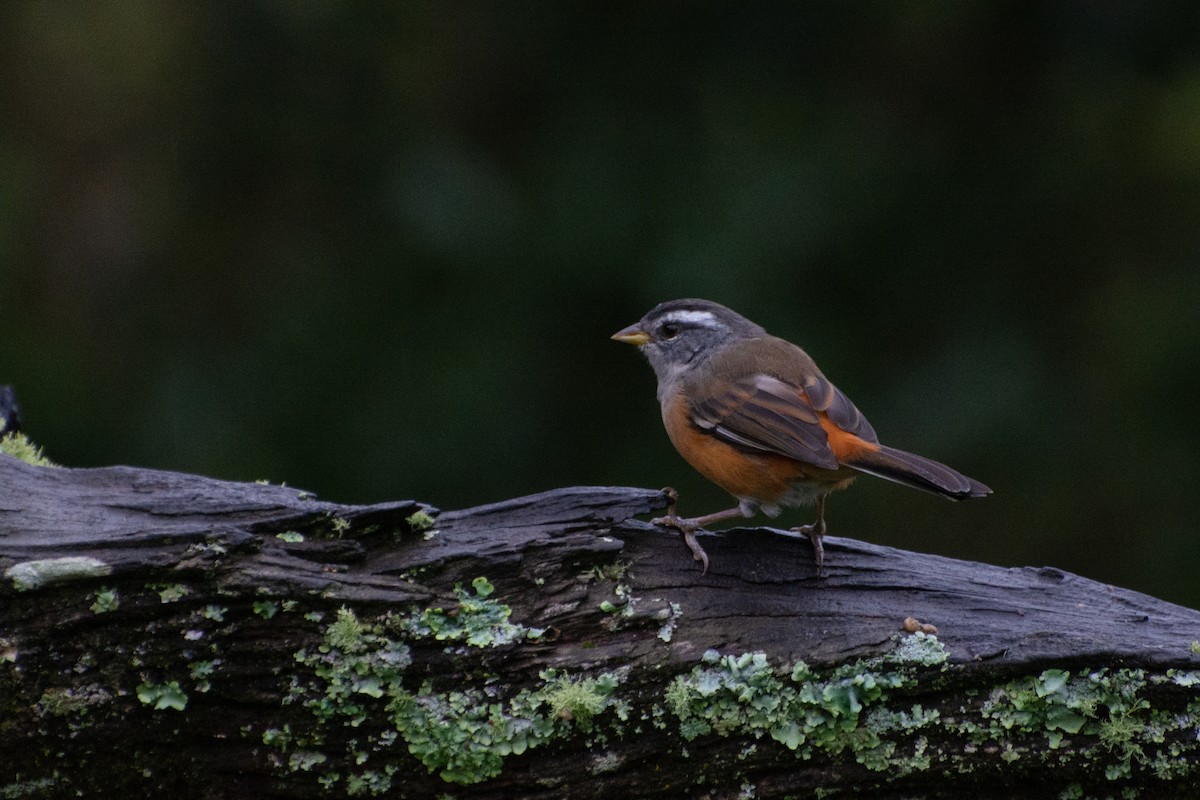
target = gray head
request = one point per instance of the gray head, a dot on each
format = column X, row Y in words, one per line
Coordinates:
column 677, row 333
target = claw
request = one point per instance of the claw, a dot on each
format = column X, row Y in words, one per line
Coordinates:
column 688, row 528
column 698, row 554
column 814, row 534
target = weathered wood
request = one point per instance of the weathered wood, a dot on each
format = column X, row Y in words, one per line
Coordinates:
column 321, row 649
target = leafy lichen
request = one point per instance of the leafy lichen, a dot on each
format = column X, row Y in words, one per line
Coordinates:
column 868, row 712
column 106, row 600
column 463, row 735
column 805, row 711
column 475, row 620
column 265, row 608
column 163, row 695
column 169, row 592
column 466, row 737
column 858, row 710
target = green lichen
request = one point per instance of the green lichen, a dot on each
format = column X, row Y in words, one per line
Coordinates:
column 475, row 620
column 170, row 592
column 72, row 701
column 370, row 782
column 919, row 649
column 465, row 736
column 857, row 710
column 462, row 735
column 1113, row 728
column 291, row 537
column 163, row 695
column 201, row 671
column 214, row 612
column 357, row 681
column 305, row 760
column 801, row 709
column 670, row 616
column 265, row 608
column 105, row 600
column 612, row 571
column 354, row 662
column 33, row 787
column 624, row 608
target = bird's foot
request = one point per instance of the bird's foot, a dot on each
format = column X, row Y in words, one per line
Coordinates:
column 815, row 533
column 688, row 528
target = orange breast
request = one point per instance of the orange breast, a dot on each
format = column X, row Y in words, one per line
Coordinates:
column 765, row 477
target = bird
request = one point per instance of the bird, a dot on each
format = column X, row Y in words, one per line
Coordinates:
column 753, row 414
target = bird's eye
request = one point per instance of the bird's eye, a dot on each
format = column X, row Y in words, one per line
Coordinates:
column 669, row 330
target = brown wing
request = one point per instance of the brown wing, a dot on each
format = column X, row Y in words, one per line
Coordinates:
column 760, row 412
column 826, row 397
column 782, row 405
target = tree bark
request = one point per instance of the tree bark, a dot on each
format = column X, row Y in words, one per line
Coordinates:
column 168, row 633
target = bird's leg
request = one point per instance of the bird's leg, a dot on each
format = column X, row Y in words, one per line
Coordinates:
column 814, row 532
column 688, row 527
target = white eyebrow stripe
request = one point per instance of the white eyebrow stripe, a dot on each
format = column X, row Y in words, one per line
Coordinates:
column 699, row 317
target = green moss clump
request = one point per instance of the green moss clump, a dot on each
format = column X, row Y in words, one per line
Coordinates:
column 17, row 444
column 420, row 520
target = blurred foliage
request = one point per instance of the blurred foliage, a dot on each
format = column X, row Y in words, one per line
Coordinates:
column 376, row 250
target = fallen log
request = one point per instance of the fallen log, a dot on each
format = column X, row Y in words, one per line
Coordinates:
column 164, row 633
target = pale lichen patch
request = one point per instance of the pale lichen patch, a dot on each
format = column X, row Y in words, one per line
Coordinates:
column 29, row 575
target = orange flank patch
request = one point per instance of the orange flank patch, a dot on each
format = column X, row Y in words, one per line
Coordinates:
column 845, row 446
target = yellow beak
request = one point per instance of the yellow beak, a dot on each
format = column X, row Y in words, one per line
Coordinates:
column 632, row 335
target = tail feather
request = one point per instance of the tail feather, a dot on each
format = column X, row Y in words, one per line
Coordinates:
column 920, row 473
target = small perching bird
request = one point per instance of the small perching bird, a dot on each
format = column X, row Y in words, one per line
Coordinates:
column 753, row 414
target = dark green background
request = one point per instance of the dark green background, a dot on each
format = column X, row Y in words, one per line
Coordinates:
column 376, row 249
